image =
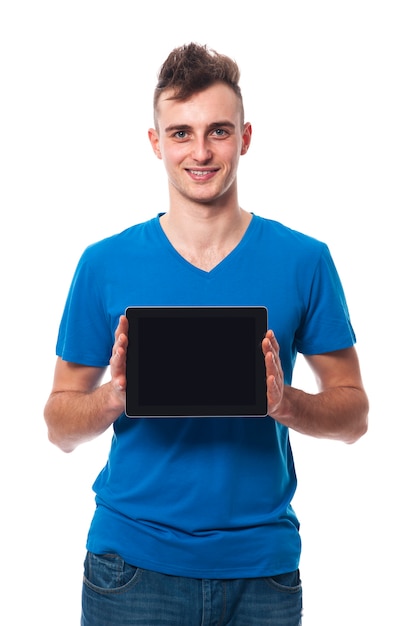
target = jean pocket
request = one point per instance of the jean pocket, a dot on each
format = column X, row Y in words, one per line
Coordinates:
column 109, row 572
column 287, row 583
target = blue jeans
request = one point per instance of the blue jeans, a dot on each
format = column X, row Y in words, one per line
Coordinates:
column 118, row 594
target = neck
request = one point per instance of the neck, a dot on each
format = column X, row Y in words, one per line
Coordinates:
column 205, row 235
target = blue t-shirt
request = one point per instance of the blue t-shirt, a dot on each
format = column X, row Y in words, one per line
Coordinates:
column 203, row 497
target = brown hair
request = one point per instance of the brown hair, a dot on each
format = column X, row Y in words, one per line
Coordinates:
column 192, row 68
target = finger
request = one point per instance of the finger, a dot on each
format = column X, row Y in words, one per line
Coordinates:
column 118, row 358
column 270, row 363
column 122, row 327
column 270, row 343
column 273, row 340
column 273, row 367
column 118, row 366
column 266, row 345
column 121, row 338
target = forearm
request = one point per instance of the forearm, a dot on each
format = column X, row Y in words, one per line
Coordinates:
column 74, row 417
column 337, row 413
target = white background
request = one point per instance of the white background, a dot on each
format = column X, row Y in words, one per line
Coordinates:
column 330, row 88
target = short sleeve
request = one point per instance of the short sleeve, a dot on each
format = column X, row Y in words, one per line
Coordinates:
column 326, row 325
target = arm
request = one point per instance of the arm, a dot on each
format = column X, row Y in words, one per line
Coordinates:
column 340, row 408
column 79, row 408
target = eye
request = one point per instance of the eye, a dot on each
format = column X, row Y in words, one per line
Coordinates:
column 220, row 132
column 180, row 134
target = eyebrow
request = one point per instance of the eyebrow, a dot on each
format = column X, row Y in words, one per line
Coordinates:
column 220, row 124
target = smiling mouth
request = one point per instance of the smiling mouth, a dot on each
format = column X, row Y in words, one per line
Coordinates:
column 201, row 172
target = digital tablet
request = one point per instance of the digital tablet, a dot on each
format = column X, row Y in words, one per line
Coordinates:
column 196, row 362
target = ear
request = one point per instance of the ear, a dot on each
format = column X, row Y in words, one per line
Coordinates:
column 246, row 137
column 154, row 139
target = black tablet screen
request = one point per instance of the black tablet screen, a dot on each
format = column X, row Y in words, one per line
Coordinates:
column 195, row 361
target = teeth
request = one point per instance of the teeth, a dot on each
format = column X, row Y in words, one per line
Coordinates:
column 200, row 172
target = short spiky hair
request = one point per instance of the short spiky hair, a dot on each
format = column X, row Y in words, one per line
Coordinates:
column 192, row 68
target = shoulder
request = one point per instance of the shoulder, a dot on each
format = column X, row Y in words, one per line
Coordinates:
column 288, row 240
column 118, row 244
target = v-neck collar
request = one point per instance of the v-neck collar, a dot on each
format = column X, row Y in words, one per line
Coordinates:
column 246, row 235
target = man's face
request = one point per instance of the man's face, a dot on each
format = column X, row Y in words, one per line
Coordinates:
column 200, row 141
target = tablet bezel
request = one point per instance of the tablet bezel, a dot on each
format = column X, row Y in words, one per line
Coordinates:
column 256, row 408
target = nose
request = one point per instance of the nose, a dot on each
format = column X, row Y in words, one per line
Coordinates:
column 201, row 151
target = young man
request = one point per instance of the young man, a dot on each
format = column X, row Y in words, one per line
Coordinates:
column 194, row 523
